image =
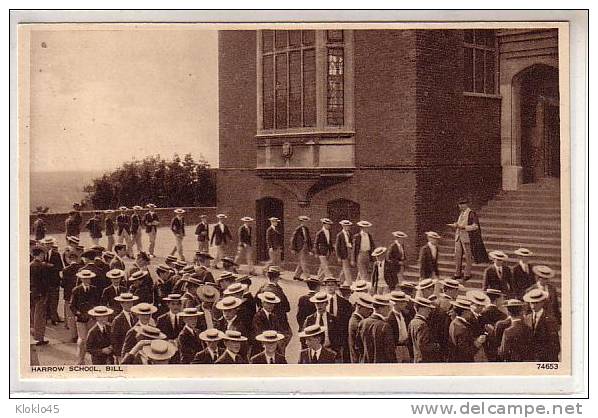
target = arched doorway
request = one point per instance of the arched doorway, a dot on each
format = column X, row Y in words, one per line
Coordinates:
column 266, row 208
column 340, row 209
column 537, row 121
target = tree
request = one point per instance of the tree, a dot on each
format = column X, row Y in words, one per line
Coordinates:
column 175, row 183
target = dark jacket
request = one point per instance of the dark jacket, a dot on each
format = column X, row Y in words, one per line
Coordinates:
column 55, row 259
column 377, row 340
column 177, row 226
column 261, row 359
column 357, row 245
column 340, row 245
column 69, row 279
column 94, row 226
column 39, row 229
column 72, row 227
column 516, row 342
column 219, row 237
column 493, row 281
column 305, row 308
column 552, row 303
column 390, row 276
column 428, row 265
column 326, row 357
column 225, row 358
column 521, row 281
column 204, row 357
column 355, row 345
column 283, row 307
column 98, row 340
column 148, row 218
column 164, row 323
column 109, row 226
column 189, row 344
column 202, row 231
column 82, row 301
column 333, row 329
column 301, row 239
column 545, row 345
column 461, row 342
column 120, row 327
column 245, row 235
column 135, row 223
column 123, row 223
column 274, row 238
column 396, row 256
column 39, row 273
column 425, row 349
column 323, row 247
column 108, row 295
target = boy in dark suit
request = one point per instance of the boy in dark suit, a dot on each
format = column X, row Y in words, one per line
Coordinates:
column 324, row 247
column 363, row 245
column 543, row 275
column 188, row 340
column 266, row 319
column 122, row 323
column 523, row 276
column 315, row 352
column 516, row 338
column 202, row 232
column 343, row 247
column 301, row 245
column 220, row 238
column 304, row 307
column 94, row 226
column 112, row 291
column 341, row 309
column 68, row 283
column 274, row 243
column 211, row 339
column 270, row 355
column 170, row 323
column 151, row 222
column 245, row 247
column 99, row 345
column 83, row 298
column 545, row 344
column 375, row 333
column 363, row 309
column 428, row 257
column 325, row 319
column 177, row 226
column 109, row 228
column 232, row 343
column 498, row 275
column 397, row 254
column 39, row 272
column 382, row 270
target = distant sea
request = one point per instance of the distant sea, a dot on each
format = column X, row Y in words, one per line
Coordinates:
column 59, row 189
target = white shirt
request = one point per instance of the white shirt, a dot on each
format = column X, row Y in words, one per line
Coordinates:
column 381, row 266
column 315, row 353
column 322, row 319
column 524, row 267
column 221, row 225
column 347, row 242
column 269, row 359
column 326, row 234
column 334, row 302
column 498, row 270
column 365, row 241
column 172, row 319
column 433, row 249
column 403, row 335
column 229, row 322
column 536, row 317
column 127, row 316
column 233, row 355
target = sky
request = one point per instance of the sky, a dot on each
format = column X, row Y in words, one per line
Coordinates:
column 102, row 97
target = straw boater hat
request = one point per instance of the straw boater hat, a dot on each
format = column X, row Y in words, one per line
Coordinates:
column 365, row 300
column 173, row 297
column 498, row 255
column 461, row 302
column 228, row 302
column 378, row 251
column 137, row 207
column 229, row 260
column 494, row 292
column 73, row 239
column 150, row 206
column 227, row 275
column 208, row 294
column 35, row 251
column 204, row 255
column 513, row 303
column 235, row 288
column 543, row 271
column 326, row 221
column 109, row 255
column 150, row 332
column 126, row 297
column 535, row 295
column 425, row 283
column 163, row 268
column 452, row 283
column 364, row 224
column 211, row 334
column 122, row 208
column 170, row 258
column 313, row 279
column 221, row 216
column 115, row 274
column 98, row 248
column 85, row 274
column 478, row 297
column 303, row 218
column 48, row 241
column 269, row 336
column 100, row 311
column 159, row 350
column 360, row 286
column 345, row 222
column 432, row 234
column 330, row 279
column 423, row 302
column 179, row 211
column 381, row 300
column 138, row 275
column 188, row 269
column 268, row 297
column 312, row 331
column 108, row 211
column 320, row 297
column 398, row 296
column 180, row 264
column 523, row 252
column 247, row 219
column 192, row 280
column 190, row 312
column 399, row 234
column 144, row 309
column 231, row 335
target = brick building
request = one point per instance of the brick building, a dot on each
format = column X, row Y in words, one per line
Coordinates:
column 392, row 126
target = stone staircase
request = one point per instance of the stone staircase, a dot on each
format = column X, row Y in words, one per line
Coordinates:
column 529, row 217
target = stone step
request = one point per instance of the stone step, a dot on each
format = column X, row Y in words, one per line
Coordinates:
column 539, row 254
column 494, row 206
column 501, row 214
column 532, row 204
column 446, row 254
column 501, row 241
column 525, row 193
column 523, row 233
column 447, row 265
column 513, row 224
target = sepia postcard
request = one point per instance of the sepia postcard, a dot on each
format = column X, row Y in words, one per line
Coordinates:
column 293, row 200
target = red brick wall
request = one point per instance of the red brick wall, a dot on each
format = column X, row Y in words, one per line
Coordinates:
column 237, row 98
column 385, row 107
